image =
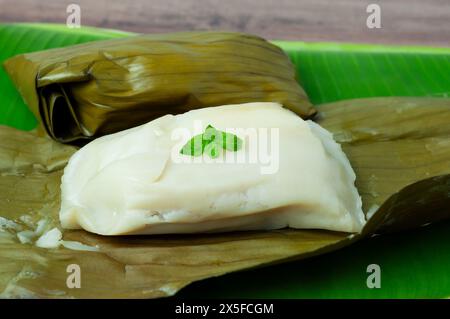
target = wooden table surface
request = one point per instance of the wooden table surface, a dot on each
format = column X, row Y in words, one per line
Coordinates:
column 425, row 22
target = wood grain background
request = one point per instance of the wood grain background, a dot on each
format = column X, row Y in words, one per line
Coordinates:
column 403, row 21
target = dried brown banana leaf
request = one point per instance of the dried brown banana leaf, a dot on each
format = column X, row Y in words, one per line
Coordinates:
column 399, row 148
column 391, row 142
column 97, row 88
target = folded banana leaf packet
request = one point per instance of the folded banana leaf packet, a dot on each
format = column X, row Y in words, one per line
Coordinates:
column 398, row 147
column 88, row 90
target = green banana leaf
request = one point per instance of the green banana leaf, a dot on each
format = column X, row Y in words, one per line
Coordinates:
column 329, row 72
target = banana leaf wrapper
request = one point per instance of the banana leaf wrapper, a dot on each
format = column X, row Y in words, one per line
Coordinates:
column 399, row 148
column 97, row 88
